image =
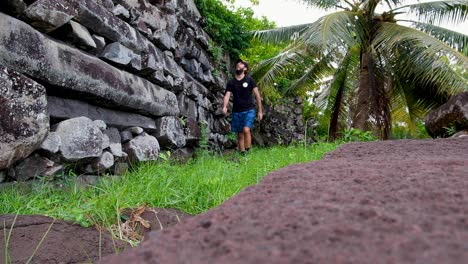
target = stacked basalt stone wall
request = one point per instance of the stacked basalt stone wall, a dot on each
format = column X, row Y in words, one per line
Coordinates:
column 282, row 124
column 97, row 85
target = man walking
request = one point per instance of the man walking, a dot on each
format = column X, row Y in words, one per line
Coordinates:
column 243, row 112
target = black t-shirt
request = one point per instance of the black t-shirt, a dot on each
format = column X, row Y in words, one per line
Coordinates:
column 242, row 93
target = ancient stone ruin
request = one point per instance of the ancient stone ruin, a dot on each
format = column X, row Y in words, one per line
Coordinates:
column 104, row 84
column 98, row 85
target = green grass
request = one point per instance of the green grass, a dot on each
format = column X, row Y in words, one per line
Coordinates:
column 193, row 187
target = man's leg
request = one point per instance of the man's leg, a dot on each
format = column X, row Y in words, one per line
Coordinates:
column 247, row 138
column 247, row 129
column 241, row 141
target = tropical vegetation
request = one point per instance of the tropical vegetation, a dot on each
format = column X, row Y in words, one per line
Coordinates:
column 230, row 29
column 368, row 68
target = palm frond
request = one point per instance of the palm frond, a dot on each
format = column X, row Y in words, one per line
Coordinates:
column 452, row 38
column 324, row 4
column 313, row 75
column 405, row 107
column 337, row 90
column 436, row 12
column 282, row 34
column 410, row 103
column 267, row 71
column 392, row 3
column 343, row 28
column 421, row 55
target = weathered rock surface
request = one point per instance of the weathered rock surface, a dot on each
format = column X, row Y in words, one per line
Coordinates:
column 126, row 136
column 32, row 167
column 183, row 154
column 192, row 131
column 453, row 114
column 24, row 49
column 118, row 53
column 121, row 12
column 3, row 175
column 80, row 138
column 100, row 124
column 169, row 132
column 142, row 148
column 24, row 122
column 281, row 124
column 115, row 146
column 48, row 15
column 81, row 36
column 136, row 130
column 101, row 164
column 187, row 106
column 61, row 109
column 51, row 144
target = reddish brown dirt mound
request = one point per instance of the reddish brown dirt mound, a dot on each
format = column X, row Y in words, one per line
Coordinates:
column 385, row 202
column 64, row 243
column 69, row 243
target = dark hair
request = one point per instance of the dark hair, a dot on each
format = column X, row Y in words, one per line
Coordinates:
column 243, row 62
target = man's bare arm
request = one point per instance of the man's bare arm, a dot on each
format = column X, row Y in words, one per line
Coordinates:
column 227, row 96
column 259, row 103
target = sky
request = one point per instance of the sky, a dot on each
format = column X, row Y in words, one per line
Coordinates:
column 293, row 12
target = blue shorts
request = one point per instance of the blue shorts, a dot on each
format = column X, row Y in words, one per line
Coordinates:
column 241, row 120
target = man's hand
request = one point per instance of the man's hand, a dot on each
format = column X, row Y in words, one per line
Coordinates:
column 226, row 98
column 259, row 103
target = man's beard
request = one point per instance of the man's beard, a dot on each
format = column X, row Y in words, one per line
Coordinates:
column 239, row 72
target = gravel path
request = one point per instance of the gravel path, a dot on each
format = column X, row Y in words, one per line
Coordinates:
column 384, row 202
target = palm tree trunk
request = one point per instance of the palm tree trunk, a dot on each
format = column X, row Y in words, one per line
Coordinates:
column 362, row 110
column 333, row 129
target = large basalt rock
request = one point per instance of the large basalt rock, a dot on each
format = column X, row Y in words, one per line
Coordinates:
column 106, row 24
column 80, row 139
column 281, row 125
column 32, row 167
column 48, row 15
column 193, row 132
column 453, row 114
column 24, row 49
column 121, row 12
column 100, row 165
column 51, row 144
column 61, row 109
column 115, row 140
column 81, row 36
column 142, row 148
column 169, row 132
column 24, row 122
column 118, row 53
column 187, row 106
column 145, row 12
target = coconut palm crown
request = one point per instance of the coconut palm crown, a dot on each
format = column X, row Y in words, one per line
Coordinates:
column 374, row 66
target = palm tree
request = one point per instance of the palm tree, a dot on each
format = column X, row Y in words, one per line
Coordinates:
column 369, row 65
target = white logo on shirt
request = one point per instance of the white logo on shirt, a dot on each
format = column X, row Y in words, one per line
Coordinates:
column 245, row 85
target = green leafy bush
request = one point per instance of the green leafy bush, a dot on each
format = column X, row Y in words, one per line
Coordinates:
column 354, row 134
column 230, row 29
